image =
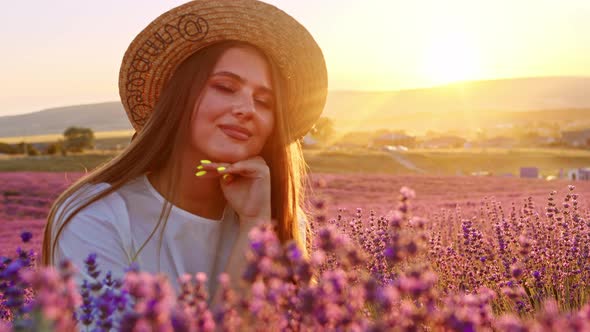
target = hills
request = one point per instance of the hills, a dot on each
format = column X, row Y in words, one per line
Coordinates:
column 100, row 117
column 564, row 101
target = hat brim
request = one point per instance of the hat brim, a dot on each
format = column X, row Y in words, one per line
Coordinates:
column 156, row 52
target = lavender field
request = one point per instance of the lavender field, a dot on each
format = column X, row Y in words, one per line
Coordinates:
column 27, row 196
column 390, row 252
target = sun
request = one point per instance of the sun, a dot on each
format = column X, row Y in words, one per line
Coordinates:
column 450, row 57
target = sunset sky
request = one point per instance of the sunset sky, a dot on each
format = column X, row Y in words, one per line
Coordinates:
column 59, row 53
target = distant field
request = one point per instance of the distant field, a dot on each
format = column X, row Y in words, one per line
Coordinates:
column 71, row 163
column 436, row 162
column 500, row 151
column 55, row 137
column 449, row 161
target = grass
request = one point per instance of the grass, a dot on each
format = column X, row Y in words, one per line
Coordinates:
column 55, row 137
column 500, row 161
column 450, row 161
column 504, row 151
column 440, row 162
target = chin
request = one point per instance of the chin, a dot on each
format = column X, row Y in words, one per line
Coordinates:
column 228, row 156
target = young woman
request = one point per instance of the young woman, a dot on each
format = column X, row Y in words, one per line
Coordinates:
column 220, row 93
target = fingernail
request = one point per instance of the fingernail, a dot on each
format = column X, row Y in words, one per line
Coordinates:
column 221, row 168
column 205, row 161
column 201, row 173
column 200, row 167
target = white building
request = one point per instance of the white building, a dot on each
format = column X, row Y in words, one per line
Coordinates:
column 579, row 174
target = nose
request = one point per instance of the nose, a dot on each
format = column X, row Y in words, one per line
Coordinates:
column 245, row 107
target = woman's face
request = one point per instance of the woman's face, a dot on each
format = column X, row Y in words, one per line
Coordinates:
column 236, row 112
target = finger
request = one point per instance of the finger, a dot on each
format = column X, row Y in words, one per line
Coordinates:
column 208, row 171
column 227, row 178
column 213, row 168
column 206, row 174
column 247, row 169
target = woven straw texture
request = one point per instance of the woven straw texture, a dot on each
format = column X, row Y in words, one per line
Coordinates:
column 156, row 52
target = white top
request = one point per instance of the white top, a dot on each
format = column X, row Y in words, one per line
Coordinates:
column 116, row 226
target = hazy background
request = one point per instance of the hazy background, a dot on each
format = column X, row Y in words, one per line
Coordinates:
column 62, row 53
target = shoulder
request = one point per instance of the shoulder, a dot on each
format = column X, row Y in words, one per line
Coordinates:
column 108, row 210
column 82, row 196
column 103, row 226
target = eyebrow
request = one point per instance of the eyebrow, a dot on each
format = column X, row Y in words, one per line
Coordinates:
column 241, row 79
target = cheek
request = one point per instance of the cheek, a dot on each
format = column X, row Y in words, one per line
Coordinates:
column 269, row 124
column 200, row 130
column 203, row 116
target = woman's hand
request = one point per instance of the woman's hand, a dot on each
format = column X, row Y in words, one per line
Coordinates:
column 246, row 188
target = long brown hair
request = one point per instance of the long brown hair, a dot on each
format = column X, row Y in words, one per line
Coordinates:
column 159, row 142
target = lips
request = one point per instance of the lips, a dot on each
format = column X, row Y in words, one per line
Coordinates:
column 236, row 132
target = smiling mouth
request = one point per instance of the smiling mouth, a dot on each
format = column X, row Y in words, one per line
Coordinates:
column 235, row 134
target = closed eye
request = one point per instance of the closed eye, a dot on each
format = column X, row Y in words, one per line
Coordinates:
column 223, row 88
column 264, row 103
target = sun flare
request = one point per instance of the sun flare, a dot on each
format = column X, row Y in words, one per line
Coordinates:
column 450, row 57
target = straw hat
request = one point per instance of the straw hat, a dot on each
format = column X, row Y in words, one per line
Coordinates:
column 158, row 50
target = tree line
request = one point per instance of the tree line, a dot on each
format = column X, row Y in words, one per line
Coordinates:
column 75, row 139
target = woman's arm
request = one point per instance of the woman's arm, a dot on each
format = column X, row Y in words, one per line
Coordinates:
column 236, row 263
column 247, row 189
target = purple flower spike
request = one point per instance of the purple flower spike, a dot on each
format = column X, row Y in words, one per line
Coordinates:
column 407, row 193
column 293, row 252
column 319, row 204
column 11, row 271
column 133, row 267
column 91, row 259
column 180, row 321
column 26, row 236
column 257, row 247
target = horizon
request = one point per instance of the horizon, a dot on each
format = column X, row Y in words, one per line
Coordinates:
column 347, row 90
column 397, row 46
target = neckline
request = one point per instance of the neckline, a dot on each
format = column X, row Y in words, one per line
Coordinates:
column 183, row 212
